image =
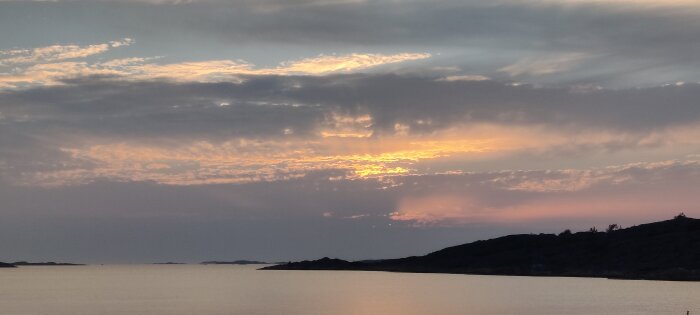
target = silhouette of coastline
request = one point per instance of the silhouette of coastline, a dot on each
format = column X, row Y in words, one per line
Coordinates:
column 50, row 263
column 6, row 265
column 666, row 250
column 169, row 263
column 235, row 262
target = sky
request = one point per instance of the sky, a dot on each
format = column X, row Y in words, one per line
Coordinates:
column 143, row 131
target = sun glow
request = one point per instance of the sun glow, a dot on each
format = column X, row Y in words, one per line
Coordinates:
column 242, row 160
column 349, row 145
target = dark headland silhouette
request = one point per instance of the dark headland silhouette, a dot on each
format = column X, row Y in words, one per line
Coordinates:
column 235, row 262
column 6, row 265
column 666, row 250
column 24, row 263
column 49, row 263
column 169, row 263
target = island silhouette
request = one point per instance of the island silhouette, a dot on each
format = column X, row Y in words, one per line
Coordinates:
column 235, row 262
column 666, row 250
column 6, row 265
column 25, row 263
column 48, row 263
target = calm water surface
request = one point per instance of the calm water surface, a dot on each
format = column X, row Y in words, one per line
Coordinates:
column 229, row 290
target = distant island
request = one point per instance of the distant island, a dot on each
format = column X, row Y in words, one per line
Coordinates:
column 666, row 250
column 24, row 263
column 235, row 262
column 169, row 263
column 50, row 263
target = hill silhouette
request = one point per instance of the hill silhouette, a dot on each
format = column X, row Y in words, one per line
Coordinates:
column 666, row 250
column 6, row 265
column 48, row 263
column 235, row 262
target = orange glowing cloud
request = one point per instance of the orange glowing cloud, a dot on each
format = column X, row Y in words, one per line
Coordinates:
column 42, row 66
column 441, row 209
column 246, row 160
column 438, row 208
column 641, row 190
column 57, row 52
column 343, row 143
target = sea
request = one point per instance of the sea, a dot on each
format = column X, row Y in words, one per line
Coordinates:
column 244, row 290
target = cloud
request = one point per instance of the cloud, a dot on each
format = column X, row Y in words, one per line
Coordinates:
column 268, row 128
column 627, row 43
column 645, row 189
column 46, row 72
column 242, row 161
column 196, row 152
column 57, row 52
column 468, row 77
column 284, row 220
column 437, row 208
column 326, row 64
column 544, row 65
column 48, row 65
column 227, row 70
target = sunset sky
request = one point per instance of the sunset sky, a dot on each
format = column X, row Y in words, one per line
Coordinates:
column 146, row 131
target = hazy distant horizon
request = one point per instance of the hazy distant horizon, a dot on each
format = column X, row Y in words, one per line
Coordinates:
column 282, row 260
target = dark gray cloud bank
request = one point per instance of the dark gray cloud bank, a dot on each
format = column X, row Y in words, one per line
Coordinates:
column 617, row 44
column 38, row 122
column 264, row 106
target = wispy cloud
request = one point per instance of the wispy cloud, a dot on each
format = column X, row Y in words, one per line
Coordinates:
column 537, row 66
column 269, row 128
column 57, row 52
column 47, row 74
column 43, row 66
column 344, row 63
column 645, row 189
column 631, row 43
column 467, row 77
column 246, row 161
column 227, row 70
